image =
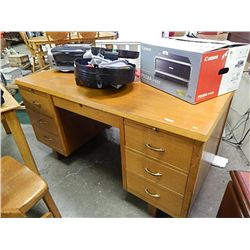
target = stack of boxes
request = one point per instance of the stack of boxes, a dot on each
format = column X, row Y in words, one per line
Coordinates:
column 19, row 60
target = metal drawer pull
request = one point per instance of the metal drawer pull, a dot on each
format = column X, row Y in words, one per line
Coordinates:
column 152, row 173
column 47, row 138
column 42, row 122
column 153, row 195
column 155, row 149
column 37, row 104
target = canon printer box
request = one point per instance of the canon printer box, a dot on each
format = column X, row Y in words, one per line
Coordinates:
column 194, row 70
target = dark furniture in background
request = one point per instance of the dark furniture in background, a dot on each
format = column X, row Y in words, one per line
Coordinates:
column 236, row 199
column 12, row 38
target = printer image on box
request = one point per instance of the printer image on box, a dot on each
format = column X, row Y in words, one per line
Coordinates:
column 173, row 67
column 194, row 70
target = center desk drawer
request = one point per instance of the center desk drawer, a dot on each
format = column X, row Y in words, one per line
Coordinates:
column 92, row 113
column 37, row 101
column 156, row 172
column 172, row 149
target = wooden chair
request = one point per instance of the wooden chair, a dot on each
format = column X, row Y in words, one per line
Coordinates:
column 21, row 189
column 34, row 51
column 90, row 36
column 58, row 37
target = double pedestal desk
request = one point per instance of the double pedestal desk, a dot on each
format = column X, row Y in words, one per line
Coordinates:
column 162, row 139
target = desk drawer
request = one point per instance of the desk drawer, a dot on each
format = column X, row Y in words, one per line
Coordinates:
column 51, row 140
column 95, row 114
column 42, row 121
column 163, row 199
column 156, row 172
column 172, row 149
column 39, row 102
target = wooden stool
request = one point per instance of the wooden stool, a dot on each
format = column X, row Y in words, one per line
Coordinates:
column 21, row 189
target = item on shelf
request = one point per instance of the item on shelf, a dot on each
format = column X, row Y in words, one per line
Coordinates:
column 18, row 60
column 9, row 74
column 192, row 69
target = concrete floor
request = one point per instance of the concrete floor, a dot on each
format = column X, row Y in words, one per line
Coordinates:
column 88, row 183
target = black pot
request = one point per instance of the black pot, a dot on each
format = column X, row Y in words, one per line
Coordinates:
column 99, row 78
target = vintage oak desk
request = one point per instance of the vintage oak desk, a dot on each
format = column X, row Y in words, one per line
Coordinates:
column 162, row 138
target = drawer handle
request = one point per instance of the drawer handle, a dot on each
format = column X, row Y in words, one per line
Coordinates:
column 37, row 104
column 149, row 193
column 41, row 121
column 152, row 173
column 47, row 138
column 153, row 148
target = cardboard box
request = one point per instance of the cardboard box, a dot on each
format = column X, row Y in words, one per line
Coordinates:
column 191, row 69
column 18, row 60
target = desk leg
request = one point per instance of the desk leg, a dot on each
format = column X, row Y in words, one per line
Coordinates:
column 6, row 127
column 58, row 155
column 20, row 139
column 152, row 210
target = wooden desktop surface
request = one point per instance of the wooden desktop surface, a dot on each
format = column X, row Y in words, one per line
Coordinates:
column 138, row 102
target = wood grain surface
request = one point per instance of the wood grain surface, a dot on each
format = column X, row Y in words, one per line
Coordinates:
column 138, row 102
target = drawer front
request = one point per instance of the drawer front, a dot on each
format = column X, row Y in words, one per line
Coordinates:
column 156, row 172
column 42, row 121
column 38, row 102
column 95, row 114
column 163, row 199
column 174, row 150
column 51, row 140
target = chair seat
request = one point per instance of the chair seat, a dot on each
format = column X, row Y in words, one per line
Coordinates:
column 20, row 188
